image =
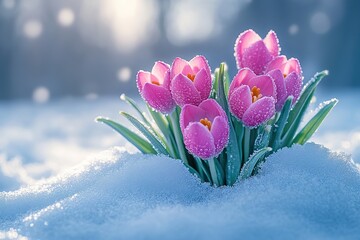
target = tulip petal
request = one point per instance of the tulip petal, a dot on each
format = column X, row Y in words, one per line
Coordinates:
column 144, row 77
column 212, row 109
column 199, row 62
column 292, row 65
column 190, row 113
column 259, row 112
column 158, row 98
column 281, row 92
column 266, row 85
column 183, row 91
column 203, row 84
column 220, row 133
column 276, row 63
column 256, row 57
column 272, row 43
column 293, row 84
column 180, row 66
column 241, row 78
column 199, row 141
column 239, row 101
column 159, row 70
column 245, row 40
column 167, row 80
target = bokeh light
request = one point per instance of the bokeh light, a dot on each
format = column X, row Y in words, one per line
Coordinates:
column 293, row 29
column 320, row 23
column 41, row 95
column 66, row 17
column 33, row 29
column 124, row 74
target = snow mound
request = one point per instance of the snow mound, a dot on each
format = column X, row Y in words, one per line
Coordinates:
column 302, row 192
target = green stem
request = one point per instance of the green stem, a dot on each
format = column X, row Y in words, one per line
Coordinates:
column 246, row 144
column 174, row 119
column 213, row 172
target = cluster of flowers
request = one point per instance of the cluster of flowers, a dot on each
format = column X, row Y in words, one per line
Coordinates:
column 250, row 116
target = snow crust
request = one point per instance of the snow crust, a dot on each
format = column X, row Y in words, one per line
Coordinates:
column 306, row 192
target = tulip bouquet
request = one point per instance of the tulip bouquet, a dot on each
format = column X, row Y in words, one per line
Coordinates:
column 220, row 129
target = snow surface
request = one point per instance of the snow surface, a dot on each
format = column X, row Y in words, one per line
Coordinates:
column 67, row 193
column 300, row 193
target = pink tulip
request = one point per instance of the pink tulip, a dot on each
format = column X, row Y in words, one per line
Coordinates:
column 154, row 87
column 255, row 53
column 205, row 128
column 252, row 97
column 288, row 78
column 190, row 81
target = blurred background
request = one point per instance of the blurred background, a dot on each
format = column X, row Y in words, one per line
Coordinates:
column 51, row 49
column 62, row 63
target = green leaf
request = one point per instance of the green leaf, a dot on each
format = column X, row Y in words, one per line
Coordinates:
column 157, row 145
column 160, row 121
column 140, row 143
column 309, row 129
column 132, row 103
column 279, row 126
column 263, row 137
column 298, row 111
column 233, row 163
column 167, row 133
column 254, row 159
column 226, row 81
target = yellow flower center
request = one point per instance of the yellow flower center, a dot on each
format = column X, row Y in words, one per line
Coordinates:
column 255, row 93
column 156, row 82
column 191, row 76
column 206, row 123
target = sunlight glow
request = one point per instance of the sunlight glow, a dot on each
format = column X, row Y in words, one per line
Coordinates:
column 131, row 22
column 8, row 4
column 190, row 21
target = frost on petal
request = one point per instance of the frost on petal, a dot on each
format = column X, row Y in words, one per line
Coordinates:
column 167, row 80
column 241, row 78
column 190, row 113
column 256, row 57
column 293, row 83
column 266, row 85
column 281, row 93
column 141, row 78
column 203, row 83
column 212, row 109
column 272, row 43
column 259, row 112
column 180, row 66
column 276, row 63
column 158, row 98
column 244, row 41
column 199, row 62
column 159, row 71
column 220, row 132
column 239, row 101
column 199, row 141
column 292, row 65
column 183, row 91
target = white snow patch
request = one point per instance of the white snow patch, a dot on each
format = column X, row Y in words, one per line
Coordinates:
column 301, row 193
